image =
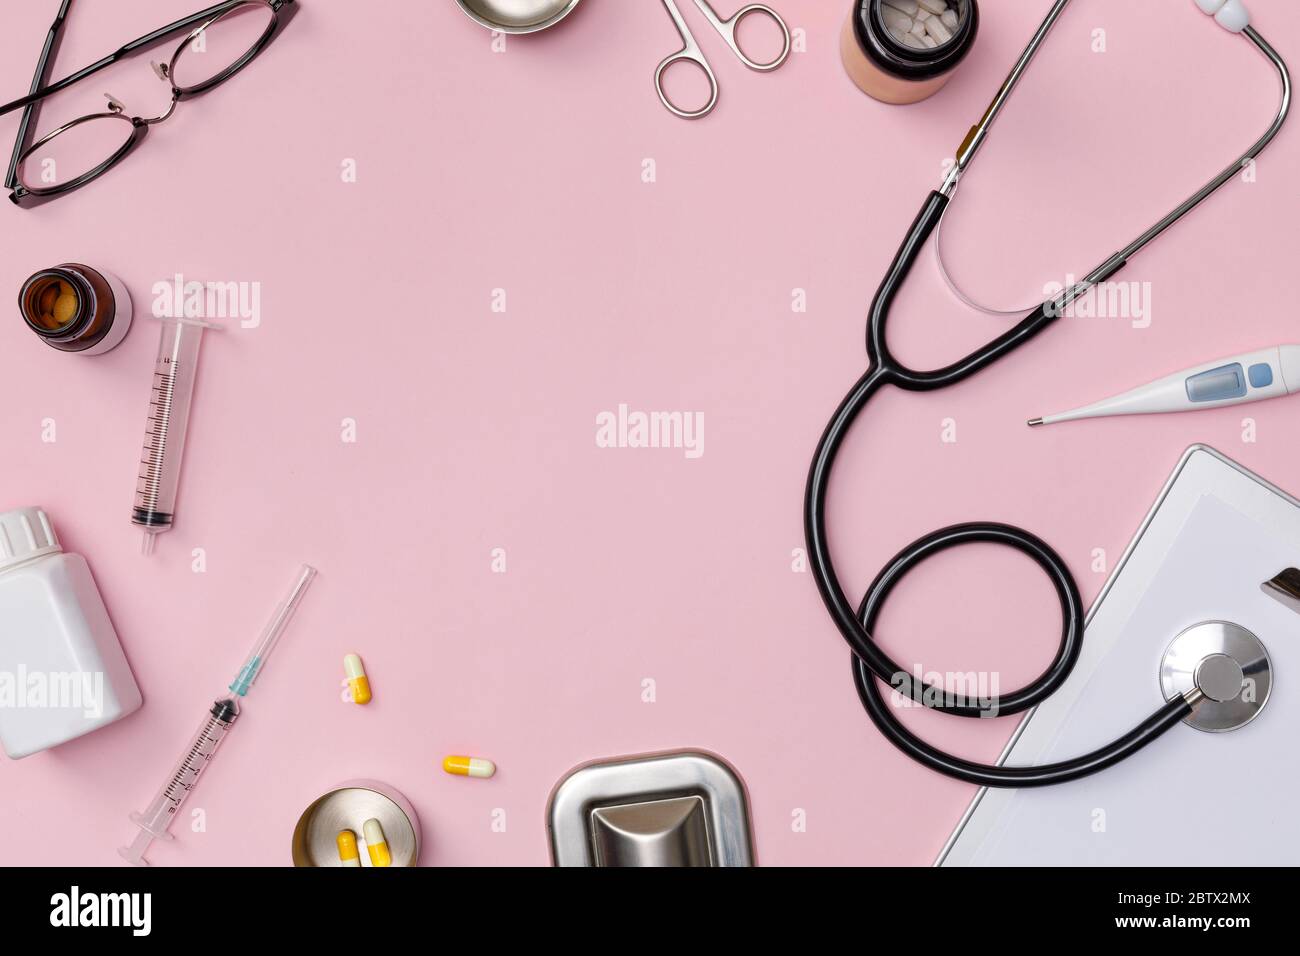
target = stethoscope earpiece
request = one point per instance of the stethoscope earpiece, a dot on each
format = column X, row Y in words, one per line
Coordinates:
column 1232, row 15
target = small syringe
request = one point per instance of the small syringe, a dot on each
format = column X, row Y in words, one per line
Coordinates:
column 166, row 425
column 157, row 817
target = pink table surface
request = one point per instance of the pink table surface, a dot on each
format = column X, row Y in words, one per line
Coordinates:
column 521, row 170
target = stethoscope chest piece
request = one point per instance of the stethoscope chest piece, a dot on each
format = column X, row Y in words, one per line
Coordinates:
column 1228, row 665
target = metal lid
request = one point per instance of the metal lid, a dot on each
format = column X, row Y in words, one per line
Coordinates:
column 876, row 42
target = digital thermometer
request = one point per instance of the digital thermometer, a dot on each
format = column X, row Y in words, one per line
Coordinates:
column 1253, row 377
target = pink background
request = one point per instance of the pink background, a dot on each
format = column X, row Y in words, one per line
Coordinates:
column 521, row 170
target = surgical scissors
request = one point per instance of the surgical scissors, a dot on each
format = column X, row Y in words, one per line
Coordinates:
column 690, row 51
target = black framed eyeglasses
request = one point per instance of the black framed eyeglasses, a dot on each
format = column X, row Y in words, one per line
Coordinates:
column 218, row 42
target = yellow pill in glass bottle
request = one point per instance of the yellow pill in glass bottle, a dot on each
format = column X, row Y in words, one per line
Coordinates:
column 75, row 308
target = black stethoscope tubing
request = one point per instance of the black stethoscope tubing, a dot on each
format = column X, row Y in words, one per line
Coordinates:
column 871, row 664
column 869, row 661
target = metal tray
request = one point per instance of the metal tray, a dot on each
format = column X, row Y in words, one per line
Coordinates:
column 680, row 808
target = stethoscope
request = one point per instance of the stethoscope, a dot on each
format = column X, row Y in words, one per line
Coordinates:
column 870, row 663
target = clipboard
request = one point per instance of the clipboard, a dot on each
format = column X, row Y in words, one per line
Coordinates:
column 1216, row 533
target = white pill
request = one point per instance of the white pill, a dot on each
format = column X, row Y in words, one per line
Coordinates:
column 906, row 6
column 928, row 42
column 949, row 19
column 895, row 20
column 934, row 6
column 1234, row 16
column 918, row 27
column 934, row 26
column 912, row 40
column 376, row 843
column 1210, row 7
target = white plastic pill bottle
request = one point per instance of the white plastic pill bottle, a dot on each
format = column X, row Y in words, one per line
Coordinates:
column 62, row 670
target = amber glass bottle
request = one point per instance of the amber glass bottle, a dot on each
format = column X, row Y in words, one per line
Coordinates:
column 75, row 308
column 890, row 54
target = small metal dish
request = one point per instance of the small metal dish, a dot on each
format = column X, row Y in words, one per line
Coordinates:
column 347, row 807
column 683, row 808
column 517, row 16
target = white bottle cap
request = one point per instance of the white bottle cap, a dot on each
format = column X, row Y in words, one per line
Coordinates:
column 25, row 533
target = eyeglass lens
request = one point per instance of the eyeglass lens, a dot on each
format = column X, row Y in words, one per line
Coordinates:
column 220, row 45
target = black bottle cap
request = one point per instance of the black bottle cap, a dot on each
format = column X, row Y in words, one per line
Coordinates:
column 881, row 48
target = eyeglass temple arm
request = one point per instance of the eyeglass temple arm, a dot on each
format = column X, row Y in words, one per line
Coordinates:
column 149, row 39
column 42, row 75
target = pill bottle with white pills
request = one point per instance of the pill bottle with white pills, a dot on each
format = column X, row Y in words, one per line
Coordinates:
column 62, row 670
column 75, row 308
column 902, row 51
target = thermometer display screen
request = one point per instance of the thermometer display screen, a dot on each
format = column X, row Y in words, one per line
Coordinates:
column 1218, row 384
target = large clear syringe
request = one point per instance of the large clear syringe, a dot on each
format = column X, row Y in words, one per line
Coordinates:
column 155, row 820
column 164, row 433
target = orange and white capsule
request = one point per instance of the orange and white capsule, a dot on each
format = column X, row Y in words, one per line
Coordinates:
column 469, row 766
column 357, row 680
column 347, row 842
column 376, row 845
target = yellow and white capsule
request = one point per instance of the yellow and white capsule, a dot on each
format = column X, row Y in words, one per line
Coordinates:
column 357, row 680
column 348, row 855
column 469, row 766
column 376, row 845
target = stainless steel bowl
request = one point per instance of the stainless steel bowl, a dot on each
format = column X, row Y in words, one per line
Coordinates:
column 517, row 16
column 347, row 807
